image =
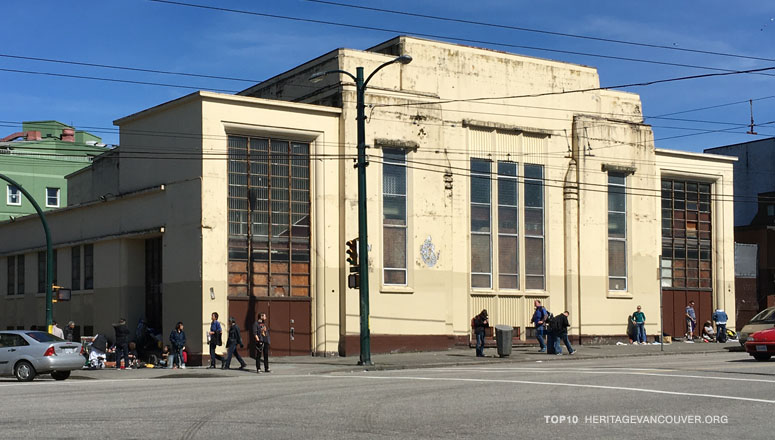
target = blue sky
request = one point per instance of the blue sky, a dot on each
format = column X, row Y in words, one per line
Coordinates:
column 149, row 35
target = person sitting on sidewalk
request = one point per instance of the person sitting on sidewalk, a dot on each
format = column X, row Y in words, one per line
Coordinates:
column 708, row 334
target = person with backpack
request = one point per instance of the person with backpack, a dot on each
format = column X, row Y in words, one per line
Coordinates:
column 215, row 339
column 560, row 326
column 551, row 334
column 720, row 318
column 480, row 323
column 539, row 318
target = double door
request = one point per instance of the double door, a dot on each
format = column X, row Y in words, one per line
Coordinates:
column 289, row 321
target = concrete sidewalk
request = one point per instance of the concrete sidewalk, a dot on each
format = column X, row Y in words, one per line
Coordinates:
column 310, row 365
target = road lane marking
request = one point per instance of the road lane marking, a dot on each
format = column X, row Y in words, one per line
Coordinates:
column 559, row 384
column 591, row 371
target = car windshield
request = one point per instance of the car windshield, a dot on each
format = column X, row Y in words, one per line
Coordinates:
column 44, row 337
column 767, row 315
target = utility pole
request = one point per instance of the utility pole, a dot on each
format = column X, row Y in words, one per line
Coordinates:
column 363, row 242
column 49, row 252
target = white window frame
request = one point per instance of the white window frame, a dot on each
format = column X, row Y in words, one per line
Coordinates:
column 618, row 239
column 48, row 205
column 9, row 194
column 391, row 162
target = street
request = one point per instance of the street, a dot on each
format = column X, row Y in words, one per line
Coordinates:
column 698, row 395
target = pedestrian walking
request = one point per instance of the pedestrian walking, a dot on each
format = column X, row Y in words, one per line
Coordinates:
column 480, row 323
column 639, row 319
column 215, row 339
column 261, row 337
column 70, row 331
column 720, row 318
column 233, row 340
column 539, row 318
column 56, row 331
column 122, row 343
column 561, row 325
column 691, row 321
column 177, row 344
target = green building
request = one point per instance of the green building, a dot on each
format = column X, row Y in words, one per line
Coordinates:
column 38, row 158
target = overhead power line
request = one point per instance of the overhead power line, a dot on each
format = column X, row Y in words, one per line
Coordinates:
column 544, row 31
column 126, row 81
column 440, row 37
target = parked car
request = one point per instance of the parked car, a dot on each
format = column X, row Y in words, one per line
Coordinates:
column 763, row 320
column 761, row 345
column 27, row 353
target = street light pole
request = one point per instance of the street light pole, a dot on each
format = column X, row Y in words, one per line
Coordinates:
column 363, row 242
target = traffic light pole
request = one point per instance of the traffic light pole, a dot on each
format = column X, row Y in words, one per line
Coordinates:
column 363, row 241
column 49, row 252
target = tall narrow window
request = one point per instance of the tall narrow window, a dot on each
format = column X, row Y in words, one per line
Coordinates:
column 14, row 196
column 52, row 197
column 617, row 232
column 11, row 275
column 54, row 271
column 394, row 216
column 88, row 266
column 75, row 273
column 508, row 226
column 534, row 227
column 20, row 274
column 481, row 241
column 41, row 272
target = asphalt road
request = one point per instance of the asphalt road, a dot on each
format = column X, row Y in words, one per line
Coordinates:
column 724, row 395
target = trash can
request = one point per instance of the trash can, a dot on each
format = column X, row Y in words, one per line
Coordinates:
column 503, row 339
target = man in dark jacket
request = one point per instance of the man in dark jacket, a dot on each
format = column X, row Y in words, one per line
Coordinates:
column 261, row 337
column 215, row 339
column 70, row 331
column 481, row 322
column 539, row 318
column 561, row 325
column 231, row 345
column 122, row 343
column 177, row 344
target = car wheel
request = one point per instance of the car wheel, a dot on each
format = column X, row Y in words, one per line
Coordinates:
column 762, row 356
column 60, row 375
column 24, row 371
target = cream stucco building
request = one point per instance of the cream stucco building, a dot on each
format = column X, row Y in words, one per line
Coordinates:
column 493, row 181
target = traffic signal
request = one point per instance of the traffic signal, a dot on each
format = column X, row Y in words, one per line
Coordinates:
column 352, row 254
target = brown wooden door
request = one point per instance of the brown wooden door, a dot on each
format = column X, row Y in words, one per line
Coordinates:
column 674, row 302
column 289, row 326
column 300, row 328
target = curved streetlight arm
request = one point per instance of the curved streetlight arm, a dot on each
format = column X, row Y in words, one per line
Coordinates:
column 381, row 66
column 49, row 250
column 318, row 76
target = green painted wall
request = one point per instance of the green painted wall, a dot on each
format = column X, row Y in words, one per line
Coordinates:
column 38, row 165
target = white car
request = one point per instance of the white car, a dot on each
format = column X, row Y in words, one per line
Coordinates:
column 27, row 353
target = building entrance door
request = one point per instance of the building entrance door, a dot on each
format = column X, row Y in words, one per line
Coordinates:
column 153, row 282
column 674, row 302
column 289, row 319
